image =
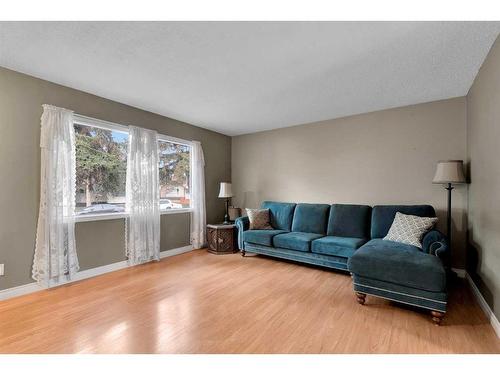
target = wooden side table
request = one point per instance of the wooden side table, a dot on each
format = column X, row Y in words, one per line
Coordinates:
column 221, row 238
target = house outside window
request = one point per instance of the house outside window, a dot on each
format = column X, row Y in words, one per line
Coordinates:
column 175, row 176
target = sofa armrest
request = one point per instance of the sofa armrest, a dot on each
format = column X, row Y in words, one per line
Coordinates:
column 435, row 243
column 242, row 223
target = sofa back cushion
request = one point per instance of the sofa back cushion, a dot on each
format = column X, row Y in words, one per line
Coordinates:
column 280, row 214
column 383, row 216
column 310, row 218
column 349, row 220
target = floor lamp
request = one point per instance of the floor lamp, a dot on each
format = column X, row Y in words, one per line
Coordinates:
column 448, row 173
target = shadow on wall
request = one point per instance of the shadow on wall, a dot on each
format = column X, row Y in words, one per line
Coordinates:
column 462, row 230
column 473, row 262
column 250, row 200
column 467, row 165
column 473, row 254
column 458, row 230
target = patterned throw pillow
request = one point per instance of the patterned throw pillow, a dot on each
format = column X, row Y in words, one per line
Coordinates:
column 259, row 218
column 409, row 229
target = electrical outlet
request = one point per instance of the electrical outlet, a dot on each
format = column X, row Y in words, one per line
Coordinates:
column 2, row 269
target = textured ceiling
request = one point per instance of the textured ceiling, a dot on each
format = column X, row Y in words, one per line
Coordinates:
column 243, row 77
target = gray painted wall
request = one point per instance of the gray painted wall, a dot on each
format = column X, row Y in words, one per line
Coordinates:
column 483, row 144
column 385, row 157
column 101, row 242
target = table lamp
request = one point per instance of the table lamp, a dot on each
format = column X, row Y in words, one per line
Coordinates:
column 226, row 192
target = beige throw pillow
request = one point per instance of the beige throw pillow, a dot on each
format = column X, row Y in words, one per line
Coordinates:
column 259, row 218
column 409, row 229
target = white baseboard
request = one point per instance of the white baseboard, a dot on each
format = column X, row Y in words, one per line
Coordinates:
column 20, row 290
column 176, row 251
column 484, row 305
column 81, row 275
column 460, row 272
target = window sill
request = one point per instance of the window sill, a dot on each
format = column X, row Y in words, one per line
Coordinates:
column 175, row 211
column 85, row 218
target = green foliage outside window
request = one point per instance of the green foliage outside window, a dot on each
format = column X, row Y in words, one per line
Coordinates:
column 101, row 164
column 174, row 165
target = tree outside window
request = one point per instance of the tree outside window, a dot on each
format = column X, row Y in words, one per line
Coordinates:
column 101, row 165
column 174, row 175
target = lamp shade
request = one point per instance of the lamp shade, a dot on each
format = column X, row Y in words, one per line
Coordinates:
column 449, row 172
column 225, row 190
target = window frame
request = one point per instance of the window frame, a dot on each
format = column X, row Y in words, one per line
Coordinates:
column 107, row 125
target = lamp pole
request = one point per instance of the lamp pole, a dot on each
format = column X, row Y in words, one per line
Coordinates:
column 226, row 215
column 448, row 223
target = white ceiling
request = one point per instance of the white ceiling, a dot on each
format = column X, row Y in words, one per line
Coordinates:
column 244, row 77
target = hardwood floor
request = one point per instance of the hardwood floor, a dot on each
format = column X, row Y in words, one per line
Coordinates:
column 203, row 303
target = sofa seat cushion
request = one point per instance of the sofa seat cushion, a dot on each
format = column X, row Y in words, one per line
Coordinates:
column 299, row 241
column 261, row 236
column 398, row 263
column 338, row 246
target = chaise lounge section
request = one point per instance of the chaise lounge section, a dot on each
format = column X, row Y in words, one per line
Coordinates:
column 401, row 272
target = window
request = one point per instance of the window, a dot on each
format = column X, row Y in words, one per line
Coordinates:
column 101, row 170
column 174, row 175
column 101, row 166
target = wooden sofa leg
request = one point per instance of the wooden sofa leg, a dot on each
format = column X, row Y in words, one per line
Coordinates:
column 243, row 252
column 437, row 317
column 361, row 298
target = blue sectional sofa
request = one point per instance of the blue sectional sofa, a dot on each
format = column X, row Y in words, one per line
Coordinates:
column 350, row 238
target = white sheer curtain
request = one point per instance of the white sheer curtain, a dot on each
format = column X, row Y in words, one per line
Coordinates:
column 55, row 257
column 142, row 197
column 198, row 216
